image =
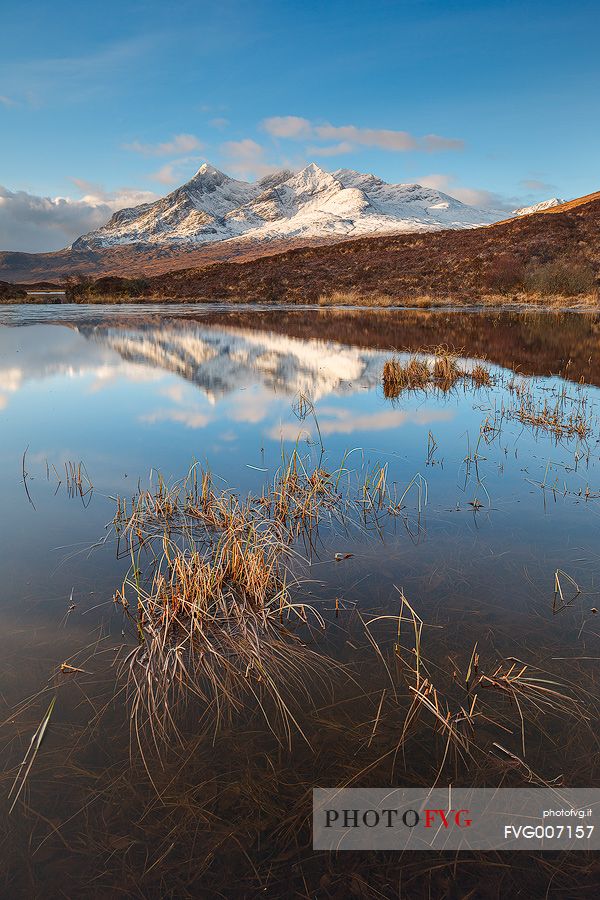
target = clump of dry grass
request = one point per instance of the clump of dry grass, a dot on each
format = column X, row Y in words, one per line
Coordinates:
column 397, row 377
column 214, row 609
column 77, row 480
column 480, row 376
column 438, row 368
column 214, row 619
column 552, row 418
column 357, row 298
column 215, row 615
column 292, row 504
column 445, row 368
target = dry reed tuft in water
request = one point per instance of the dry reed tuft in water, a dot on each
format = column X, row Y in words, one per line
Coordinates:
column 480, row 375
column 438, row 368
column 445, row 368
column 398, row 377
column 565, row 417
column 215, row 615
column 214, row 619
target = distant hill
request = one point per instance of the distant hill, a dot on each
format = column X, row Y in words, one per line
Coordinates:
column 539, row 207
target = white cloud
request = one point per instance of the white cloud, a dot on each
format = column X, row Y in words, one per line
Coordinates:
column 537, row 186
column 297, row 128
column 166, row 174
column 123, row 197
column 288, row 127
column 342, row 421
column 219, row 122
column 177, row 170
column 187, row 417
column 111, row 373
column 472, row 196
column 6, row 101
column 433, row 143
column 180, row 143
column 247, row 158
column 331, row 149
column 35, row 224
column 382, row 138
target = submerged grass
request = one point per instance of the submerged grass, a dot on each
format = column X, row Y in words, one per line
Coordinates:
column 29, row 758
column 463, row 706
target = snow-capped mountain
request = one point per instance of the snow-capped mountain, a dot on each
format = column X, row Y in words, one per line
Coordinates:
column 538, row 207
column 311, row 204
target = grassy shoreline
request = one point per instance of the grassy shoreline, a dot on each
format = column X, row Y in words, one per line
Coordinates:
column 343, row 299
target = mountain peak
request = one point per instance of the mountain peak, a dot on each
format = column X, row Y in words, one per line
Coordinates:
column 207, row 169
column 539, row 207
column 312, row 176
column 310, row 204
column 314, row 169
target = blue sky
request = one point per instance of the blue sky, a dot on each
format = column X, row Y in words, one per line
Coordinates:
column 113, row 103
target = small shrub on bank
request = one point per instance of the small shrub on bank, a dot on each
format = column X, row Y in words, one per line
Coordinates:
column 559, row 277
column 505, row 274
column 564, row 277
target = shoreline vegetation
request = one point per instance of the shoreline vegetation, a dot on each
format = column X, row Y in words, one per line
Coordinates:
column 92, row 295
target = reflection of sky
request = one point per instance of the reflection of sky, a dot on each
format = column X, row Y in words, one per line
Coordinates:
column 124, row 400
column 146, row 395
column 128, row 401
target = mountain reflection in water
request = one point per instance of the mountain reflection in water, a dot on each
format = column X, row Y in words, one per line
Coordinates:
column 221, row 359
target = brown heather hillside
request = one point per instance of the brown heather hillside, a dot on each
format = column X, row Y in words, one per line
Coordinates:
column 130, row 261
column 539, row 254
column 10, row 293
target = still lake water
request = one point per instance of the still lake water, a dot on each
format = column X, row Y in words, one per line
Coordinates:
column 133, row 391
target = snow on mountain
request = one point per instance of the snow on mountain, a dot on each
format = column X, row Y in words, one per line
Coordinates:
column 413, row 204
column 311, row 203
column 538, row 207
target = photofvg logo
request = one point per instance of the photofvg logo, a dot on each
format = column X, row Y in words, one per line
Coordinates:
column 392, row 818
column 456, row 818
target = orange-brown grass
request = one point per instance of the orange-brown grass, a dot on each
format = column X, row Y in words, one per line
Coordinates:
column 398, row 377
column 214, row 612
column 416, row 373
column 292, row 504
column 214, row 622
column 480, row 375
column 215, row 616
column 445, row 369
